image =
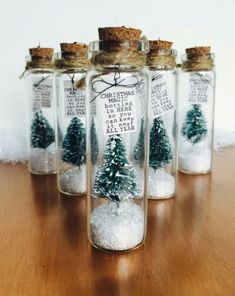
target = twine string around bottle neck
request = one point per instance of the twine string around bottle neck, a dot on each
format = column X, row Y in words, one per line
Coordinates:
column 72, row 63
column 161, row 61
column 198, row 63
column 122, row 57
column 38, row 63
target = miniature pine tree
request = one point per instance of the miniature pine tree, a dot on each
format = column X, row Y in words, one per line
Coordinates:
column 160, row 153
column 94, row 143
column 74, row 143
column 194, row 127
column 116, row 178
column 139, row 150
column 42, row 134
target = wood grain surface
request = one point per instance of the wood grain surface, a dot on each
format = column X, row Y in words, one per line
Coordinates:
column 189, row 250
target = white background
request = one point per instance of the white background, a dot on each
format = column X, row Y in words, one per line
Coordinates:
column 24, row 23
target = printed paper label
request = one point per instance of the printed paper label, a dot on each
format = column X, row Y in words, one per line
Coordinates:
column 160, row 96
column 119, row 110
column 200, row 85
column 42, row 93
column 74, row 100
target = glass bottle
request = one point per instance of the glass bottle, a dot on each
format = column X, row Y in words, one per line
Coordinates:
column 197, row 92
column 161, row 61
column 117, row 139
column 71, row 66
column 39, row 79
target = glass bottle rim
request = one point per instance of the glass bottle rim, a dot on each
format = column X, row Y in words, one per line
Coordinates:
column 30, row 58
column 62, row 55
column 130, row 45
column 163, row 52
column 186, row 57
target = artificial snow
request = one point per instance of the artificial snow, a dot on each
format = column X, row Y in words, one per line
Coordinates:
column 223, row 138
column 116, row 227
column 13, row 144
column 160, row 184
column 196, row 159
column 42, row 161
column 73, row 180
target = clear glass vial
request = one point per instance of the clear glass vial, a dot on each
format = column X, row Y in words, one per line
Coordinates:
column 71, row 66
column 117, row 140
column 39, row 78
column 161, row 61
column 197, row 94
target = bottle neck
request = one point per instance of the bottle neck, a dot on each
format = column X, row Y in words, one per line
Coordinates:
column 160, row 58
column 155, row 61
column 72, row 63
column 39, row 63
column 118, row 59
column 198, row 63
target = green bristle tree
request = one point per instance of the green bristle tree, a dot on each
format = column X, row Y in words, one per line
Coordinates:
column 74, row 143
column 194, row 128
column 160, row 152
column 116, row 178
column 42, row 133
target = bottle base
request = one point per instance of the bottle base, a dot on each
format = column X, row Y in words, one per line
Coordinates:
column 72, row 181
column 117, row 227
column 162, row 197
column 72, row 193
column 194, row 172
column 42, row 173
column 117, row 251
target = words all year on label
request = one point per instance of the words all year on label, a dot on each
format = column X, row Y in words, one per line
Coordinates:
column 42, row 92
column 118, row 105
column 200, row 86
column 160, row 96
column 74, row 100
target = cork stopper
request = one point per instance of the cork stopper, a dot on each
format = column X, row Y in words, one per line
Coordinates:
column 156, row 45
column 198, row 51
column 161, row 55
column 74, row 47
column 41, row 52
column 119, row 33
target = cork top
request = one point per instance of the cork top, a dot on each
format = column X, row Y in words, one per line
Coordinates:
column 198, row 58
column 156, row 45
column 198, row 51
column 119, row 33
column 43, row 52
column 74, row 47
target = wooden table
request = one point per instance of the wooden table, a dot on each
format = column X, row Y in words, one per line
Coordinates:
column 190, row 246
